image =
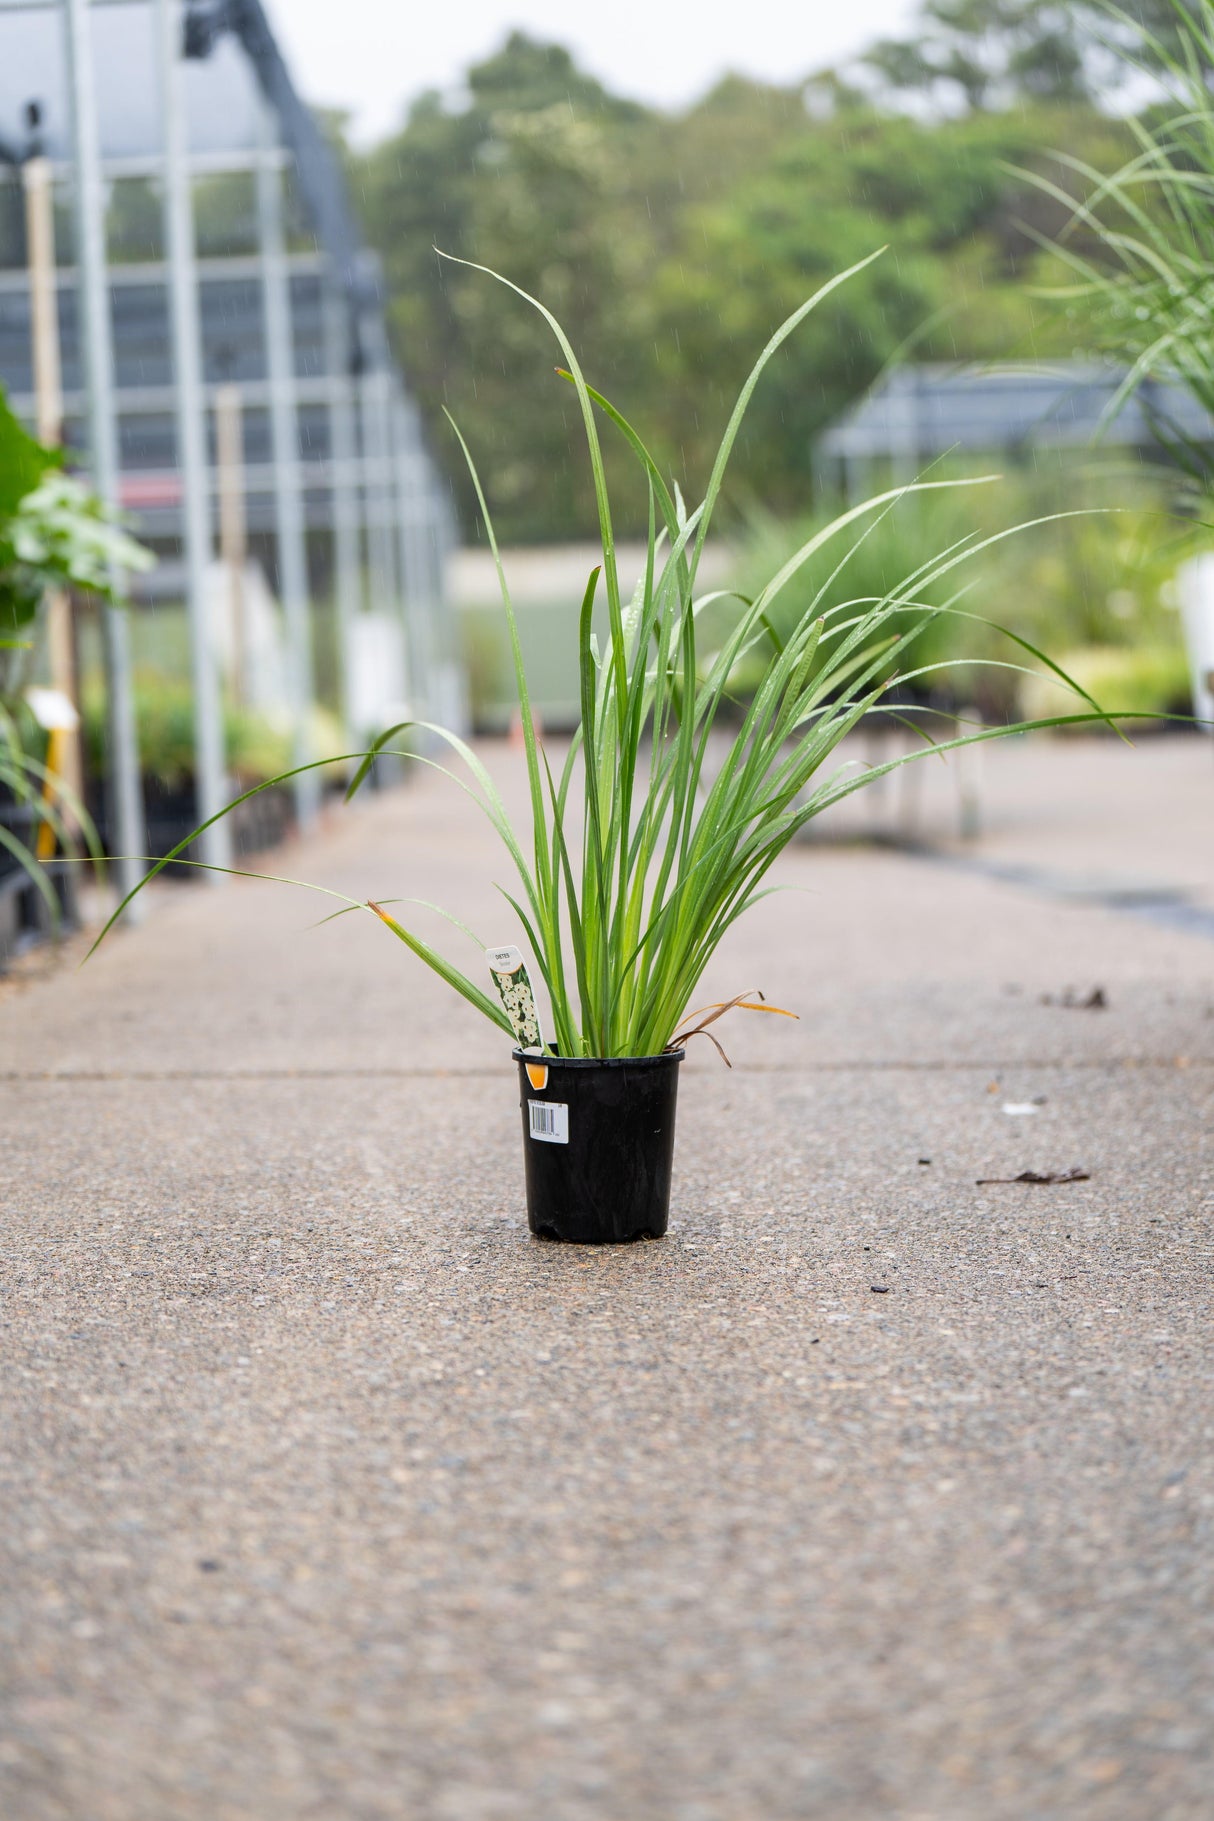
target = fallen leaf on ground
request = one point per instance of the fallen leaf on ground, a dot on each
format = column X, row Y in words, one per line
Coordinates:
column 1076, row 1175
column 1071, row 1001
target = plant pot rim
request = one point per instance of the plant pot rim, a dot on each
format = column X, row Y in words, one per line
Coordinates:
column 597, row 1062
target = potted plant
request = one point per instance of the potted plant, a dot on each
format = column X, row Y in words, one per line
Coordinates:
column 642, row 851
column 54, row 533
column 256, row 745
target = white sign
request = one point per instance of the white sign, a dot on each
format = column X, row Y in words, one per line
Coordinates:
column 1195, row 586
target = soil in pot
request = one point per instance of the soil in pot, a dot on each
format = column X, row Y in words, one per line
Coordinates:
column 598, row 1145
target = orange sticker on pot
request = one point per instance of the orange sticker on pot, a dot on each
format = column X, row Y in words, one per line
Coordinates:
column 537, row 1075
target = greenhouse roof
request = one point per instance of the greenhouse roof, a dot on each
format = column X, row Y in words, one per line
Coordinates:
column 233, row 69
column 221, row 92
column 926, row 410
column 244, row 120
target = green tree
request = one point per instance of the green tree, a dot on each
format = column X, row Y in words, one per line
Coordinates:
column 953, row 284
column 667, row 243
column 527, row 179
column 989, row 53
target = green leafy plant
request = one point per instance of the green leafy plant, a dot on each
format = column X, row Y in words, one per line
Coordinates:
column 902, row 541
column 53, row 533
column 23, row 465
column 62, row 533
column 256, row 746
column 645, row 849
column 1143, row 680
column 1146, row 291
column 1096, row 576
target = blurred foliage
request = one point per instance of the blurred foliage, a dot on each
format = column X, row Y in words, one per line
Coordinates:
column 485, row 652
column 53, row 533
column 23, row 461
column 63, row 534
column 1097, row 577
column 669, row 244
column 1140, row 242
column 896, row 554
column 1100, row 577
column 164, row 710
column 1147, row 679
column 257, row 747
column 986, row 55
column 987, row 52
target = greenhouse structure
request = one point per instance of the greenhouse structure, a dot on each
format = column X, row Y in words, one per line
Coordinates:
column 207, row 332
column 921, row 411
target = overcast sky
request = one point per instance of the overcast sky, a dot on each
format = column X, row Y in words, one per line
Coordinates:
column 374, row 56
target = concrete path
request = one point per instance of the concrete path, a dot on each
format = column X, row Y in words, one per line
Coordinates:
column 869, row 1492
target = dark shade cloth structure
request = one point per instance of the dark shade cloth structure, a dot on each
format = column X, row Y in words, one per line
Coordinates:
column 919, row 412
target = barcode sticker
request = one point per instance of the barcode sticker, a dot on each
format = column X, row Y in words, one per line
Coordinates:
column 549, row 1121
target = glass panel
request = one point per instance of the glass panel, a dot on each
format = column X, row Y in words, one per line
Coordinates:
column 225, row 215
column 134, row 222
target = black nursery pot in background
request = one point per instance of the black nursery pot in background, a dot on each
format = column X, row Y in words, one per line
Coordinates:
column 598, row 1143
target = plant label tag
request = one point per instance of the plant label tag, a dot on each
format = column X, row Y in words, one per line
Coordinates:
column 549, row 1121
column 514, row 990
column 53, row 711
column 504, row 960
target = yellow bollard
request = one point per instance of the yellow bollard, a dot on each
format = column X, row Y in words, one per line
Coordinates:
column 55, row 713
column 45, row 846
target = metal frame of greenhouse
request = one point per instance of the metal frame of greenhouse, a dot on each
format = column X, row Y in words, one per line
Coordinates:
column 338, row 480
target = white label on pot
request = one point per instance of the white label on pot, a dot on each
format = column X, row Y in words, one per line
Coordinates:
column 549, row 1121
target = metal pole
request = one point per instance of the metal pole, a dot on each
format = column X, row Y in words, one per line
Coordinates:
column 347, row 563
column 447, row 658
column 412, row 514
column 233, row 529
column 438, row 665
column 48, row 393
column 44, row 302
column 377, row 492
column 284, row 442
column 123, row 786
column 443, row 540
column 215, row 845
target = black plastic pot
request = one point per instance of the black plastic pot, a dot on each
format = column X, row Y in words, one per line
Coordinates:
column 24, row 914
column 172, row 813
column 598, row 1143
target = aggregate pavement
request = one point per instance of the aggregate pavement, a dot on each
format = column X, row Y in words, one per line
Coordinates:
column 868, row 1492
